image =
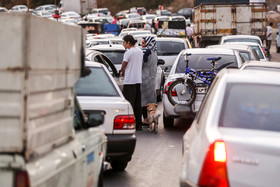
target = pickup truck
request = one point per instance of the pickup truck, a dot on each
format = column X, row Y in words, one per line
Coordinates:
column 44, row 138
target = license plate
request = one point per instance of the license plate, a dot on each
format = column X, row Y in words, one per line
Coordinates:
column 201, row 89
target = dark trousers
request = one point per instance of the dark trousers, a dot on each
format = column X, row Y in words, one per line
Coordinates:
column 132, row 93
column 144, row 112
column 268, row 45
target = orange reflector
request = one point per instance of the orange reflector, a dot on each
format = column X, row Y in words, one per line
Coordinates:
column 220, row 152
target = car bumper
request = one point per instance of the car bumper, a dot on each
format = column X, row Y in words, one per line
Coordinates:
column 122, row 145
column 169, row 111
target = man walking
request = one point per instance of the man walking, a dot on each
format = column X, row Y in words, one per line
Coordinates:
column 189, row 31
column 269, row 37
column 132, row 72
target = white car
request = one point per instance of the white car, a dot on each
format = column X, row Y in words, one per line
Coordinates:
column 133, row 33
column 133, row 16
column 148, row 18
column 18, row 8
column 257, row 47
column 71, row 15
column 168, row 49
column 45, row 8
column 246, row 52
column 197, row 61
column 241, row 38
column 101, row 10
column 233, row 140
column 99, row 92
column 115, row 54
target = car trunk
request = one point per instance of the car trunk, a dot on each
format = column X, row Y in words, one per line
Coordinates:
column 252, row 157
column 113, row 106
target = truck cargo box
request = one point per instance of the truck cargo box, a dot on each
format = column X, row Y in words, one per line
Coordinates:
column 198, row 2
column 215, row 20
column 38, row 70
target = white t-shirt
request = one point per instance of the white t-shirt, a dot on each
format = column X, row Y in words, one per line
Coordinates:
column 269, row 30
column 189, row 31
column 133, row 69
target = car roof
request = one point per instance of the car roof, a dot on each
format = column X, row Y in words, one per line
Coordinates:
column 214, row 51
column 94, row 64
column 241, row 36
column 242, row 43
column 252, row 76
column 107, row 47
column 261, row 64
column 233, row 46
column 170, row 39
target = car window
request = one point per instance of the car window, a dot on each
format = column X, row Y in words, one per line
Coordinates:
column 258, row 51
column 166, row 48
column 246, row 107
column 97, row 83
column 115, row 56
column 200, row 62
column 245, row 55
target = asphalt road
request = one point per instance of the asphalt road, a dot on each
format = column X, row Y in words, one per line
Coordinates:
column 157, row 159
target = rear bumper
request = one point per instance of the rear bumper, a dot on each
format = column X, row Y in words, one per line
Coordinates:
column 120, row 145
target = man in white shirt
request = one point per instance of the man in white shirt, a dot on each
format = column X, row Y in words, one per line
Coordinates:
column 189, row 31
column 131, row 70
column 269, row 37
column 147, row 26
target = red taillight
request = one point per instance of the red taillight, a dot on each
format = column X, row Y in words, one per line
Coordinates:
column 173, row 93
column 124, row 122
column 21, row 179
column 263, row 50
column 214, row 169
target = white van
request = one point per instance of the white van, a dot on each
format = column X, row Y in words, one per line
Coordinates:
column 44, row 138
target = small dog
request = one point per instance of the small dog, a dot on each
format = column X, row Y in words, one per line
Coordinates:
column 153, row 116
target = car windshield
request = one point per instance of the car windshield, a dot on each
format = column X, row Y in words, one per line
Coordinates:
column 246, row 107
column 97, row 83
column 115, row 56
column 166, row 48
column 200, row 62
column 243, row 40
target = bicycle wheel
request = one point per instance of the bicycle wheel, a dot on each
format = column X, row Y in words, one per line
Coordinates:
column 181, row 92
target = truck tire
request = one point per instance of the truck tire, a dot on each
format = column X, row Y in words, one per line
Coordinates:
column 119, row 165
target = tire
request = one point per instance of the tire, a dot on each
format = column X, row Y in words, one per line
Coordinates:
column 185, row 90
column 277, row 49
column 100, row 178
column 159, row 97
column 119, row 165
column 168, row 122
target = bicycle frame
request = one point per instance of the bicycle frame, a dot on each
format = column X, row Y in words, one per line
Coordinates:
column 197, row 74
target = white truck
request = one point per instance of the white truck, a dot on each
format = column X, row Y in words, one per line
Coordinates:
column 214, row 20
column 80, row 6
column 44, row 138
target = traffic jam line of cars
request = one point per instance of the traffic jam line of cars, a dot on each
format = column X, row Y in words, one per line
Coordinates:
column 242, row 103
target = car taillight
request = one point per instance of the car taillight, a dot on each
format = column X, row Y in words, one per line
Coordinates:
column 124, row 122
column 173, row 93
column 263, row 50
column 21, row 179
column 214, row 169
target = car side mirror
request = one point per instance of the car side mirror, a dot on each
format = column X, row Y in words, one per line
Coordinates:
column 160, row 62
column 95, row 118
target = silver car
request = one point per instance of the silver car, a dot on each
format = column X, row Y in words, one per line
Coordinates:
column 233, row 140
column 198, row 61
